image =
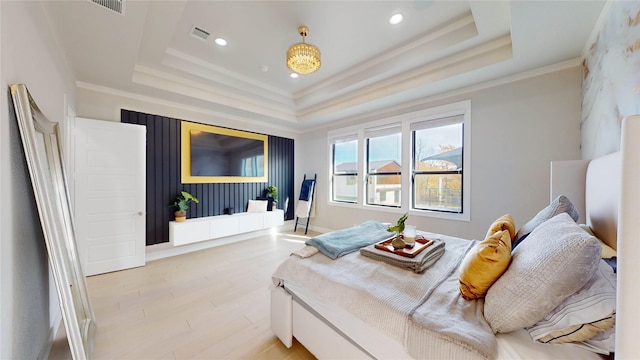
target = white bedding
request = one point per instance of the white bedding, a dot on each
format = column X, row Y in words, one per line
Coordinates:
column 391, row 323
column 511, row 346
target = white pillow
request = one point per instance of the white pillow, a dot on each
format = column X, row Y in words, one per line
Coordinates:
column 583, row 314
column 257, row 206
column 557, row 260
column 607, row 251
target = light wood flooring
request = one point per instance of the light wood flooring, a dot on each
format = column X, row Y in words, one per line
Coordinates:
column 210, row 304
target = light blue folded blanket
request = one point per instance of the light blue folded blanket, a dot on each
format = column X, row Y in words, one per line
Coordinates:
column 341, row 242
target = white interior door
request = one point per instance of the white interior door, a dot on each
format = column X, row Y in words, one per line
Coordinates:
column 109, row 195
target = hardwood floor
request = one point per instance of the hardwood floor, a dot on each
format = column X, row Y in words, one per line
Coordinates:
column 210, row 304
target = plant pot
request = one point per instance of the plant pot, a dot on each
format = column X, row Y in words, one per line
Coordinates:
column 180, row 216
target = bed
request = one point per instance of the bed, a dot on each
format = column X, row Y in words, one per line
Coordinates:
column 358, row 307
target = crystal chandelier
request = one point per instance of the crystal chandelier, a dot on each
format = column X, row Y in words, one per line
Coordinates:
column 301, row 57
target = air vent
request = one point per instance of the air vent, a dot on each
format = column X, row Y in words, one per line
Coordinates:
column 199, row 33
column 113, row 5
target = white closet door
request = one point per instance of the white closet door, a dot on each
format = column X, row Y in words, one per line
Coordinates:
column 109, row 195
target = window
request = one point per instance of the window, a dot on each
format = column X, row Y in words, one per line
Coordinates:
column 416, row 162
column 437, row 164
column 384, row 166
column 345, row 169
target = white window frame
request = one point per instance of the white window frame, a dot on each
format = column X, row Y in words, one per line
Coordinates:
column 462, row 108
column 338, row 138
column 378, row 131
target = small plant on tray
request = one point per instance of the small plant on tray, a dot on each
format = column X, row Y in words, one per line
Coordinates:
column 398, row 228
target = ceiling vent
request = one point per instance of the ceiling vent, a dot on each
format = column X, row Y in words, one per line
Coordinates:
column 113, row 5
column 199, row 33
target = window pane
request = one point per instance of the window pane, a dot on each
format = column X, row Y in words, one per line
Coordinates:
column 345, row 157
column 345, row 171
column 345, row 188
column 438, row 148
column 384, row 190
column 438, row 192
column 384, row 153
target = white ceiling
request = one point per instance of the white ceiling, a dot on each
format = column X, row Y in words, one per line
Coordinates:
column 367, row 64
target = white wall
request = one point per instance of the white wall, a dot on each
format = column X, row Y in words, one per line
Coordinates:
column 516, row 130
column 28, row 55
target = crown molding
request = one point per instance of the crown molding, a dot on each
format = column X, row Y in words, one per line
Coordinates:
column 416, row 105
column 190, row 64
column 432, row 42
column 175, row 84
column 180, row 106
column 464, row 61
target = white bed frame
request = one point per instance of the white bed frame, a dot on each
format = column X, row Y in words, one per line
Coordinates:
column 606, row 190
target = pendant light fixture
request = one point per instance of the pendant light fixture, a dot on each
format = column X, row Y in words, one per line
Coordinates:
column 303, row 58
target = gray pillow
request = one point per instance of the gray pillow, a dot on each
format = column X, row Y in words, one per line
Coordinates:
column 557, row 260
column 558, row 205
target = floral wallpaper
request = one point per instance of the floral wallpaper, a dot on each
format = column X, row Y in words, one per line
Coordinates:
column 611, row 84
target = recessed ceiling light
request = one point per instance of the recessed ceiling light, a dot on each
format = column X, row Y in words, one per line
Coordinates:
column 294, row 75
column 221, row 41
column 396, row 19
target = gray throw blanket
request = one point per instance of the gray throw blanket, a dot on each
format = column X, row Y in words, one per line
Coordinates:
column 444, row 314
column 418, row 264
column 341, row 242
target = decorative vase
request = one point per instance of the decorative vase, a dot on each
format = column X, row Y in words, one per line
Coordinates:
column 398, row 243
column 180, row 216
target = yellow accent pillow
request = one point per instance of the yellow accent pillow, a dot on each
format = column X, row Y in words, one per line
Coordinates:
column 505, row 222
column 607, row 251
column 484, row 264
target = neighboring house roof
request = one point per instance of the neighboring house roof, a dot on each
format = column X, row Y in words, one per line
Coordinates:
column 454, row 156
column 376, row 165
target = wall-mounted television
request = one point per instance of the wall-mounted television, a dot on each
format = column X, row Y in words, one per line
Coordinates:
column 212, row 154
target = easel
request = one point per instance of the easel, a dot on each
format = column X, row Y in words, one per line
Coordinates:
column 307, row 193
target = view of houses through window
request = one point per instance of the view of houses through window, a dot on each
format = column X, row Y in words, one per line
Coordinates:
column 384, row 169
column 345, row 171
column 434, row 172
column 437, row 169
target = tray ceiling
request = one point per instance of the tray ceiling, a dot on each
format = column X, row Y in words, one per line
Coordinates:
column 367, row 63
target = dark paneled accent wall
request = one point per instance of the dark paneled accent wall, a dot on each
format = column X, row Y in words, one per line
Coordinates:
column 163, row 178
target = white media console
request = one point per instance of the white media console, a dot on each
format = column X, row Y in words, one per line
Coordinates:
column 213, row 227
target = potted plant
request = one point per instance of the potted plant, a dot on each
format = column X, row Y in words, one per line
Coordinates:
column 272, row 192
column 398, row 228
column 182, row 204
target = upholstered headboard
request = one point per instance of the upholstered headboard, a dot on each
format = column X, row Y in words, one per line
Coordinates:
column 607, row 191
column 594, row 189
column 602, row 197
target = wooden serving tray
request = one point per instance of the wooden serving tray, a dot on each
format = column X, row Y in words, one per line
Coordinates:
column 420, row 244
